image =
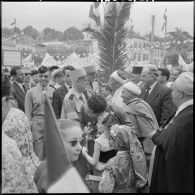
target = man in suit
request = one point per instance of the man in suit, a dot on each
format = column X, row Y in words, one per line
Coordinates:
column 60, row 93
column 93, row 86
column 157, row 96
column 17, row 86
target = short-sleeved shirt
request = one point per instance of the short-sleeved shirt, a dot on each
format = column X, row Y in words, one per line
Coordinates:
column 72, row 103
column 34, row 105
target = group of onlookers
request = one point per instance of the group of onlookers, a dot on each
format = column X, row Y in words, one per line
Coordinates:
column 134, row 133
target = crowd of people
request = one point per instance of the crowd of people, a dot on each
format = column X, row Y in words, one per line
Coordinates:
column 133, row 134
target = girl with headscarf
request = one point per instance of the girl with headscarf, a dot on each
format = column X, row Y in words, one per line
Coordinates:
column 127, row 171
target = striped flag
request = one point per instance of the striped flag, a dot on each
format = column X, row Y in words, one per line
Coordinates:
column 165, row 20
column 94, row 13
column 62, row 176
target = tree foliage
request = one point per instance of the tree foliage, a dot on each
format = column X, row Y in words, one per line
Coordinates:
column 73, row 34
column 111, row 38
column 179, row 44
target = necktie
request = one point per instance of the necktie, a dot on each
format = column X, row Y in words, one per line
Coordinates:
column 146, row 94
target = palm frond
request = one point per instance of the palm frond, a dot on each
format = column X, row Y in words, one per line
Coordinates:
column 111, row 38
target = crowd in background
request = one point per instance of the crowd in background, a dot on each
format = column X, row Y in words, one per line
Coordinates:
column 134, row 133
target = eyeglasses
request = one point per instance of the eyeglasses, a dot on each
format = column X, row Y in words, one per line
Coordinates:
column 75, row 142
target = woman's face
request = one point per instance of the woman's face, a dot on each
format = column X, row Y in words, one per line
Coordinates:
column 72, row 139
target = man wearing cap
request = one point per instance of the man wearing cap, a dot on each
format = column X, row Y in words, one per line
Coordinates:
column 71, row 109
column 75, row 98
column 135, row 74
column 51, row 70
column 34, row 78
column 156, row 95
column 58, row 76
column 140, row 114
column 17, row 86
column 59, row 94
column 117, row 80
column 173, row 161
column 34, row 109
column 93, row 86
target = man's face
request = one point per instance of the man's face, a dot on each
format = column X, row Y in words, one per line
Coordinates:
column 126, row 95
column 105, row 92
column 27, row 77
column 44, row 78
column 67, row 77
column 35, row 78
column 19, row 76
column 174, row 75
column 160, row 77
column 60, row 79
column 91, row 77
column 135, row 78
column 82, row 82
column 146, row 77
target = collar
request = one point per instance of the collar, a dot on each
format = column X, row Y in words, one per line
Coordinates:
column 183, row 106
column 108, row 97
column 42, row 88
column 57, row 85
column 76, row 93
column 67, row 86
column 152, row 86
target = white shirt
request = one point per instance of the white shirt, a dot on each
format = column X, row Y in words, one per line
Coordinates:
column 56, row 86
column 67, row 86
column 152, row 87
column 183, row 106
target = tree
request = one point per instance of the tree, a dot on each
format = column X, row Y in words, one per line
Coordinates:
column 180, row 43
column 73, row 34
column 30, row 31
column 111, row 38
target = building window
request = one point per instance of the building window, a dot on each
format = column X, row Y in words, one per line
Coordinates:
column 135, row 44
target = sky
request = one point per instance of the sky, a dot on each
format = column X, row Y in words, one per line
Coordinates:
column 62, row 15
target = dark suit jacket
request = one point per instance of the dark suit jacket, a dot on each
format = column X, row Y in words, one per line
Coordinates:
column 160, row 99
column 58, row 97
column 19, row 95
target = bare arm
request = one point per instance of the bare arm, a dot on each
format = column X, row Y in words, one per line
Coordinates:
column 96, row 155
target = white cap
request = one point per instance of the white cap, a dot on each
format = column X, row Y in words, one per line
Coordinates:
column 57, row 71
column 116, row 77
column 185, row 82
column 74, row 75
column 132, row 87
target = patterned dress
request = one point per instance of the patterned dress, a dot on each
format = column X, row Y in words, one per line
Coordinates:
column 118, row 175
column 17, row 127
column 15, row 179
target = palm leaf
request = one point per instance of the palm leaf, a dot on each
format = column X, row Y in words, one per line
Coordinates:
column 111, row 38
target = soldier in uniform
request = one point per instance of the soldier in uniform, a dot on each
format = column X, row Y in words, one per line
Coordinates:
column 75, row 98
column 34, row 109
column 71, row 109
column 58, row 77
column 93, row 86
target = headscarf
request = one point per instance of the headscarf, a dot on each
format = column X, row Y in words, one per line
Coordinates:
column 125, row 137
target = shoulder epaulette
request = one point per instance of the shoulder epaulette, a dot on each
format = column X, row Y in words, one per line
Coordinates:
column 52, row 86
column 71, row 97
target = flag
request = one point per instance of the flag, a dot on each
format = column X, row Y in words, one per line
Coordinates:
column 165, row 20
column 183, row 64
column 62, row 176
column 94, row 13
column 14, row 22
